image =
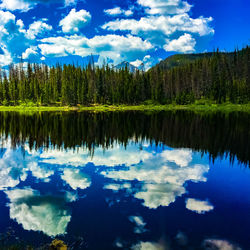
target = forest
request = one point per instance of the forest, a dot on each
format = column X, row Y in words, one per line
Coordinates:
column 221, row 77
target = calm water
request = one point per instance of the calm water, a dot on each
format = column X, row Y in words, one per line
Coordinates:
column 125, row 180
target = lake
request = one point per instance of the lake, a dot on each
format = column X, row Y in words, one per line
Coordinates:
column 128, row 180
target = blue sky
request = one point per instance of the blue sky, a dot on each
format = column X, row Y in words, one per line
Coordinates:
column 137, row 31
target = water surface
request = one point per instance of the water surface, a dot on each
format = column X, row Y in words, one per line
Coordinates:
column 167, row 180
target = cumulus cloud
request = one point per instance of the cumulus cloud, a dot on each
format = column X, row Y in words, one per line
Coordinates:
column 181, row 157
column 111, row 157
column 219, row 244
column 13, row 36
column 12, row 169
column 164, row 20
column 164, row 26
column 74, row 21
column 5, row 57
column 137, row 63
column 26, row 5
column 148, row 246
column 40, row 172
column 38, row 212
column 15, row 168
column 116, row 47
column 118, row 11
column 115, row 156
column 17, row 5
column 165, row 7
column 161, row 183
column 117, row 187
column 37, row 28
column 30, row 52
column 76, row 179
column 161, row 22
column 185, row 43
column 139, row 224
column 199, row 206
column 156, row 195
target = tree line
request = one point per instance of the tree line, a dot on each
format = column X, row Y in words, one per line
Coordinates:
column 219, row 77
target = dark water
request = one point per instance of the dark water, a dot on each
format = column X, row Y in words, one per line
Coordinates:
column 125, row 180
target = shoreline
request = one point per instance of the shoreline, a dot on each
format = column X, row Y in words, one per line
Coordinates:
column 227, row 107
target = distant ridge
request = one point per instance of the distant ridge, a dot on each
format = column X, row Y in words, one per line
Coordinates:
column 179, row 60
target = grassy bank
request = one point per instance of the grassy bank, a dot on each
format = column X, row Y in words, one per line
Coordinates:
column 198, row 107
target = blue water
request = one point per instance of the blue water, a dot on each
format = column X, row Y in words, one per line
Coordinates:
column 143, row 196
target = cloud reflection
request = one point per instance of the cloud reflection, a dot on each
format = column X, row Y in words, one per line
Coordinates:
column 11, row 169
column 37, row 212
column 139, row 224
column 199, row 206
column 76, row 179
column 148, row 246
column 162, row 176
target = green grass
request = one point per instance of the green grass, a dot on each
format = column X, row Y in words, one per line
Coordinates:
column 197, row 107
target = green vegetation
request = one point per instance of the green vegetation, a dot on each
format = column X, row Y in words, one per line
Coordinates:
column 198, row 106
column 180, row 60
column 219, row 78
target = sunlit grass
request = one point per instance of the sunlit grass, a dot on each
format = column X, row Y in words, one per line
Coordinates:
column 198, row 106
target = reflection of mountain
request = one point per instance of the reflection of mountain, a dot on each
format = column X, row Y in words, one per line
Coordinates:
column 38, row 212
column 213, row 133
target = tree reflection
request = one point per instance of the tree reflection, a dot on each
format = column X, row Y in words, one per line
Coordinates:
column 214, row 133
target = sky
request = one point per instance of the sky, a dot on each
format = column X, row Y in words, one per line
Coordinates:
column 113, row 31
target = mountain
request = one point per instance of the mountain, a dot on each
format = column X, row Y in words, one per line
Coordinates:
column 180, row 59
column 125, row 64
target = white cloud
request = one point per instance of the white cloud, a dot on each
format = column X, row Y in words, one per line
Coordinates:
column 148, row 246
column 185, row 43
column 40, row 172
column 181, row 157
column 113, row 12
column 198, row 206
column 37, row 28
column 118, row 11
column 117, row 187
column 156, row 195
column 111, row 157
column 5, row 57
column 39, row 212
column 26, row 5
column 139, row 224
column 162, row 176
column 75, row 20
column 162, row 180
column 17, row 5
column 128, row 13
column 219, row 244
column 152, row 27
column 13, row 37
column 137, row 63
column 118, row 48
column 5, row 18
column 165, row 7
column 32, row 51
column 76, row 179
column 12, row 169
